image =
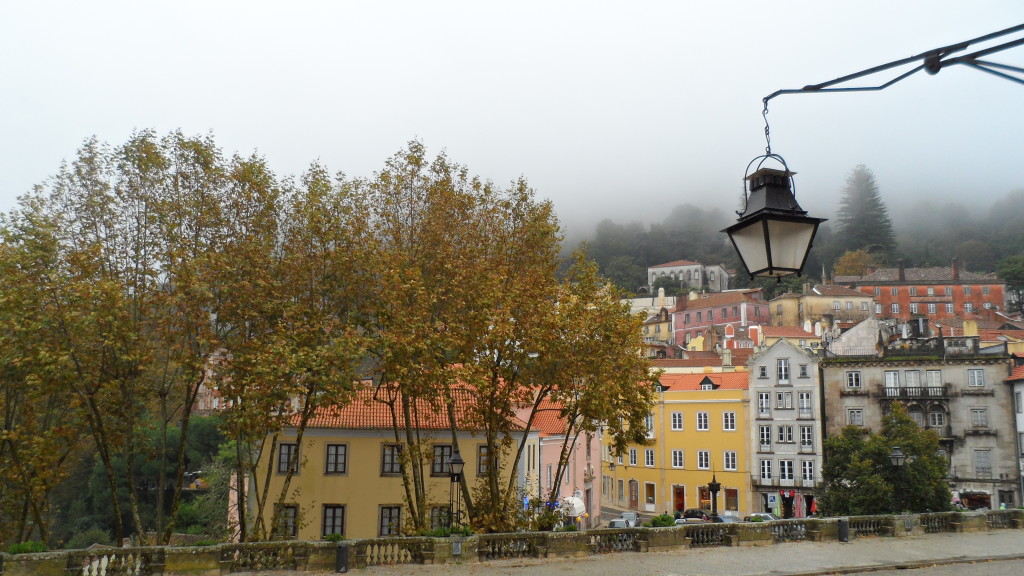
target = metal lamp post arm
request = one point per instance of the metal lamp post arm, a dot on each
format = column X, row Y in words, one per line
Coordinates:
column 931, row 61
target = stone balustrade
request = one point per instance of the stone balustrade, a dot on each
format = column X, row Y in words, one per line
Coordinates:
column 302, row 557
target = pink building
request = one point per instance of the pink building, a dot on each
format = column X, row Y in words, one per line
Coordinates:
column 582, row 451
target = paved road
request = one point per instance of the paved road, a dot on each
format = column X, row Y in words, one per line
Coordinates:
column 798, row 558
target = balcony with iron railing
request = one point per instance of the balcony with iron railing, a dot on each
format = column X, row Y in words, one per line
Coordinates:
column 913, row 392
column 776, row 482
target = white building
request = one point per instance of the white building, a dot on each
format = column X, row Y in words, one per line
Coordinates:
column 689, row 275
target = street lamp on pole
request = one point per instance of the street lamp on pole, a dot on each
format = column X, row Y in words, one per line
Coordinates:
column 714, row 486
column 455, row 466
column 898, row 459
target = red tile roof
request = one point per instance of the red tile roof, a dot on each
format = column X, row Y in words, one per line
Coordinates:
column 369, row 411
column 716, row 299
column 724, row 381
column 1016, row 374
column 786, row 332
column 676, row 263
column 548, row 418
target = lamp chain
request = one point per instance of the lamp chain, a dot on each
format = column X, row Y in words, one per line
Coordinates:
column 767, row 130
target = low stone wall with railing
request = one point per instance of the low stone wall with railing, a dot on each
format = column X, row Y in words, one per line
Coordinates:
column 225, row 559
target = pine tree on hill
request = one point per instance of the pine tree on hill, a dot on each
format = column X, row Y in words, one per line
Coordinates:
column 863, row 219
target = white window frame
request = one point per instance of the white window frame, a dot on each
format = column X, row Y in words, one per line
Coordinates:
column 786, row 470
column 766, row 469
column 648, row 457
column 855, row 416
column 782, row 370
column 729, row 421
column 765, row 434
column 678, row 459
column 677, row 420
column 703, row 460
column 853, row 380
column 975, row 377
column 703, row 421
column 729, row 460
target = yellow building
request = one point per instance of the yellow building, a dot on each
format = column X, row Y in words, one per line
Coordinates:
column 349, row 478
column 820, row 308
column 697, row 431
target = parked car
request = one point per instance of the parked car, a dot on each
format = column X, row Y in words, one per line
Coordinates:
column 760, row 517
column 697, row 513
column 618, row 523
column 729, row 519
column 632, row 518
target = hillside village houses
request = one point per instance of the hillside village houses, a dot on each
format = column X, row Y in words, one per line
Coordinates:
column 748, row 390
column 938, row 294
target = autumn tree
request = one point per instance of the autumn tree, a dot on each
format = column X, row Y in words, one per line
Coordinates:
column 863, row 220
column 854, row 263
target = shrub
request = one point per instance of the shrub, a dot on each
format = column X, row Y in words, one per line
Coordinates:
column 662, row 520
column 334, row 537
column 30, row 547
column 569, row 527
column 206, row 543
column 88, row 537
column 444, row 532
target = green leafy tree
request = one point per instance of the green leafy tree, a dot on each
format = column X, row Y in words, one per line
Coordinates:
column 1011, row 271
column 863, row 219
column 860, row 478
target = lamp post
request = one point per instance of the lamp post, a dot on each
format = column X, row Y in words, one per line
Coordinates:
column 898, row 459
column 455, row 466
column 714, row 486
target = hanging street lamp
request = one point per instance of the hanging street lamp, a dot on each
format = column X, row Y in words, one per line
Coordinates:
column 773, row 235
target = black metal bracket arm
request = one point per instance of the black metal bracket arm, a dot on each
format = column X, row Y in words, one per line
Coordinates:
column 931, row 62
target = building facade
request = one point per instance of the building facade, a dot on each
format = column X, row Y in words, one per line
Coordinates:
column 689, row 275
column 948, row 386
column 785, row 435
column 821, row 308
column 937, row 294
column 700, row 312
column 696, row 432
column 348, row 471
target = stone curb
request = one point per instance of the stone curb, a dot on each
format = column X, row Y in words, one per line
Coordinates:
column 909, row 565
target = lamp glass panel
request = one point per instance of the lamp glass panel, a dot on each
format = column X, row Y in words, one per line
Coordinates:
column 790, row 242
column 749, row 241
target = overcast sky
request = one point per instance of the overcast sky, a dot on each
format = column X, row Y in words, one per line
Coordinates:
column 610, row 109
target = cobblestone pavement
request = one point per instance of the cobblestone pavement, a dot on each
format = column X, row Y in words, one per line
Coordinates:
column 797, row 558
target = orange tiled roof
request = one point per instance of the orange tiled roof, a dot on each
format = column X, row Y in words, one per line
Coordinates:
column 724, row 381
column 549, row 419
column 1016, row 374
column 369, row 411
column 786, row 332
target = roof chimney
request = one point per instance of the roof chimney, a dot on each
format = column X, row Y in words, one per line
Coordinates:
column 903, row 274
column 807, row 288
column 956, row 268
